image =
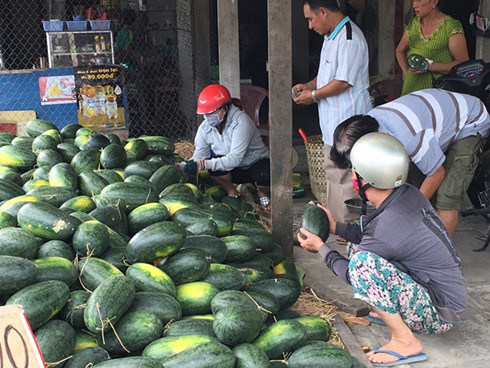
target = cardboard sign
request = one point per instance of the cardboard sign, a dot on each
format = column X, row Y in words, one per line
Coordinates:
column 18, row 347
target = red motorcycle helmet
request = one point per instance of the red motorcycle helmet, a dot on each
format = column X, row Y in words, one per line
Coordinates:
column 211, row 98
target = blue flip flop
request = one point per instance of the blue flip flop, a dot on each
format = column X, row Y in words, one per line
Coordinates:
column 402, row 359
column 376, row 320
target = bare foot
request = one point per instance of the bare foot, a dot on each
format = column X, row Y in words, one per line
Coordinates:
column 233, row 193
column 374, row 314
column 407, row 347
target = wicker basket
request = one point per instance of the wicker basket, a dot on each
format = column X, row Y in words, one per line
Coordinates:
column 316, row 167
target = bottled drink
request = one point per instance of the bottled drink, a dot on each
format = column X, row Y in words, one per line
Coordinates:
column 97, row 43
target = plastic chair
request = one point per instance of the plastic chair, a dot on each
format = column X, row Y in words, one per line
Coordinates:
column 385, row 90
column 253, row 98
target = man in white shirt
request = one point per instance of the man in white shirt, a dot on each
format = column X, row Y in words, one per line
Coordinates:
column 340, row 89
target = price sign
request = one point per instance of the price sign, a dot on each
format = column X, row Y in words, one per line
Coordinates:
column 100, row 97
column 18, row 347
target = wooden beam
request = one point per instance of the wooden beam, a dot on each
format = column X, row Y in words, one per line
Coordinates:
column 228, row 46
column 280, row 130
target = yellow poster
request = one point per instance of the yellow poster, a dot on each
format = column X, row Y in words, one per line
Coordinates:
column 100, row 97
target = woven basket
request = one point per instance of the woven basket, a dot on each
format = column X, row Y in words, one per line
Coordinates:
column 316, row 167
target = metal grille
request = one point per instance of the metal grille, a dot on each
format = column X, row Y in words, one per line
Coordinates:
column 159, row 67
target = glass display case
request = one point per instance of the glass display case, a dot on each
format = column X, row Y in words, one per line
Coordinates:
column 75, row 48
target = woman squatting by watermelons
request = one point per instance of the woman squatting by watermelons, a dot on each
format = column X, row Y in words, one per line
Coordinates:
column 400, row 257
column 229, row 145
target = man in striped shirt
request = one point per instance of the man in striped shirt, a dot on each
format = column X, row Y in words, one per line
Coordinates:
column 340, row 88
column 442, row 131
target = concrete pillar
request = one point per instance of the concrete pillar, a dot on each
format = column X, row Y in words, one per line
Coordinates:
column 186, row 59
column 228, row 46
column 202, row 50
column 386, row 35
column 280, row 130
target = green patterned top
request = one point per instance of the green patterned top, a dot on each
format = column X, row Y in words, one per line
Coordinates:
column 434, row 47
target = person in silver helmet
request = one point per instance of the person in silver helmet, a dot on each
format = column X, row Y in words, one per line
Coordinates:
column 401, row 261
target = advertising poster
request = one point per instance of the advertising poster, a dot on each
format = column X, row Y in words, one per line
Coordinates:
column 57, row 90
column 100, row 97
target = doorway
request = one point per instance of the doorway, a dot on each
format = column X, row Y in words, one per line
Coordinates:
column 461, row 11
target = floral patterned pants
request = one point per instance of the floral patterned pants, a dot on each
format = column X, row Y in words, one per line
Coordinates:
column 381, row 285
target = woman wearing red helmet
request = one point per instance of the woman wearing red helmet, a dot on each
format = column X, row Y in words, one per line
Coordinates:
column 229, row 145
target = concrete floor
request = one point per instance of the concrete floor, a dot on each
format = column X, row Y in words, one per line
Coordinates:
column 466, row 345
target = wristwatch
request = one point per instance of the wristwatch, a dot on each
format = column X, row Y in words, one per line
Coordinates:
column 313, row 96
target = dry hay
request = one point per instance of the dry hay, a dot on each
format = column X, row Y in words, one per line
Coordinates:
column 184, row 149
column 311, row 304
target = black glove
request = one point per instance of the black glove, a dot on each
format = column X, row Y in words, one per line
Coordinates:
column 189, row 167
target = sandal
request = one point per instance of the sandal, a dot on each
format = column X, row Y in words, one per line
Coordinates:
column 265, row 203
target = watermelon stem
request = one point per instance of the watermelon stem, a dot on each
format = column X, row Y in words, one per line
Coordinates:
column 117, row 336
column 259, row 307
column 54, row 364
column 103, row 324
column 76, row 261
column 166, row 327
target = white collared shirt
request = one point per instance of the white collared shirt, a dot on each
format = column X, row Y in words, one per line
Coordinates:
column 344, row 60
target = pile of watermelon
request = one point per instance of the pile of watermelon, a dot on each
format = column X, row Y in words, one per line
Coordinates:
column 119, row 261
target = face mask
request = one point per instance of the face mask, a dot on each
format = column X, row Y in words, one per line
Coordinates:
column 355, row 185
column 212, row 119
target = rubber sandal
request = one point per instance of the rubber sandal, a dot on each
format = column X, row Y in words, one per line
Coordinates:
column 401, row 358
column 376, row 320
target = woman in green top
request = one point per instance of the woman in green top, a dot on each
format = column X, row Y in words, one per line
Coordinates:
column 437, row 37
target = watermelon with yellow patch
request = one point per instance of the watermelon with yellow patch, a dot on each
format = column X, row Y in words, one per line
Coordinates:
column 147, row 277
column 165, row 347
column 195, row 297
column 46, row 221
column 156, row 241
column 286, row 268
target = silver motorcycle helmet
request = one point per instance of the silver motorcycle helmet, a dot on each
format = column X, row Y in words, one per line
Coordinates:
column 380, row 159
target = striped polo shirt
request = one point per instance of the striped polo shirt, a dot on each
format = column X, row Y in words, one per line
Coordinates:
column 344, row 57
column 428, row 121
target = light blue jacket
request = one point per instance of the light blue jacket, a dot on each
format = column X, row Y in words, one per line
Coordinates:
column 240, row 143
